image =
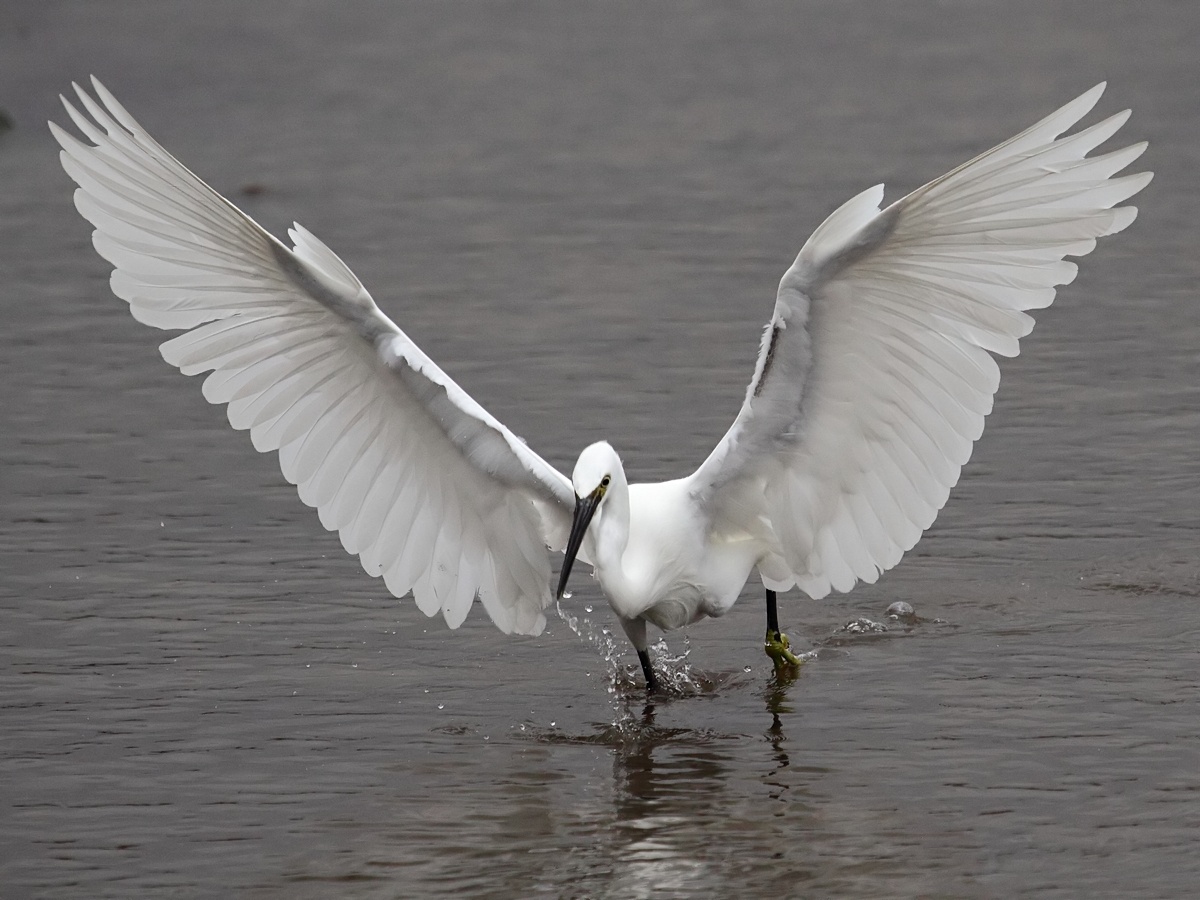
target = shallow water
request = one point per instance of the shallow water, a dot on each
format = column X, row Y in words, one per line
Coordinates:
column 581, row 213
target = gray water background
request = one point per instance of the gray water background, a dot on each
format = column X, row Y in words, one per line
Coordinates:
column 581, row 211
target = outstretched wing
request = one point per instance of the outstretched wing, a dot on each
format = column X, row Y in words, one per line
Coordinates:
column 427, row 488
column 876, row 371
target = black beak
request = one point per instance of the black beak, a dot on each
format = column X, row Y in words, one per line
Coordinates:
column 585, row 508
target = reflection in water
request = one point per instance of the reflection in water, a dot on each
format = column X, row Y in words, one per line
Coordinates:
column 776, row 697
column 685, row 810
column 666, row 782
column 675, row 823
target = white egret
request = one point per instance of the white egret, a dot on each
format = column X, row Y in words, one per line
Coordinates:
column 871, row 385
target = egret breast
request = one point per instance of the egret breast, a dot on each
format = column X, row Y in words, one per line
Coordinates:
column 683, row 605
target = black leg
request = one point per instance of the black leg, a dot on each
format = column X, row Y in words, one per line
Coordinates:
column 772, row 613
column 648, row 671
column 776, row 643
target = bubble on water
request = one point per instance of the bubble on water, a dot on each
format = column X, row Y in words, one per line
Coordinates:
column 567, row 595
column 441, row 706
column 747, row 668
column 901, row 610
column 587, row 609
column 863, row 625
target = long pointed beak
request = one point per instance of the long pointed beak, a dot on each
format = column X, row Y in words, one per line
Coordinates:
column 585, row 508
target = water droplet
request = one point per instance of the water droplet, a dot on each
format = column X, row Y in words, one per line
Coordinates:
column 567, row 595
column 553, row 724
column 587, row 609
column 441, row 706
column 747, row 669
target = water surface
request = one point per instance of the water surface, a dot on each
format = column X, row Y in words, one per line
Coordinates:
column 582, row 212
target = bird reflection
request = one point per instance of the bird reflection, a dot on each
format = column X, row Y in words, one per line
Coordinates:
column 776, row 697
column 671, row 784
column 668, row 783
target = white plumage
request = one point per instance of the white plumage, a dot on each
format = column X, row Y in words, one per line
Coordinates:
column 428, row 489
column 871, row 386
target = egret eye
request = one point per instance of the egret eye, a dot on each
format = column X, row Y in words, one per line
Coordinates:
column 605, row 480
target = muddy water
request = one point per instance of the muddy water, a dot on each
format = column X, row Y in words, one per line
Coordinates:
column 582, row 213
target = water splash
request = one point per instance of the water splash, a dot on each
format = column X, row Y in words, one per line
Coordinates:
column 863, row 625
column 601, row 639
column 675, row 674
column 676, row 677
column 603, row 642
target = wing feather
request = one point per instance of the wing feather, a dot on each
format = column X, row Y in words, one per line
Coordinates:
column 877, row 367
column 394, row 455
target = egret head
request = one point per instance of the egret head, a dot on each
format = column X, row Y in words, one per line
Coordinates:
column 595, row 470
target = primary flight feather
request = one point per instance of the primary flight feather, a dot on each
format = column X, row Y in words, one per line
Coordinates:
column 871, row 386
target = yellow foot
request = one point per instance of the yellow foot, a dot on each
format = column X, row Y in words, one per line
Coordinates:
column 776, row 646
